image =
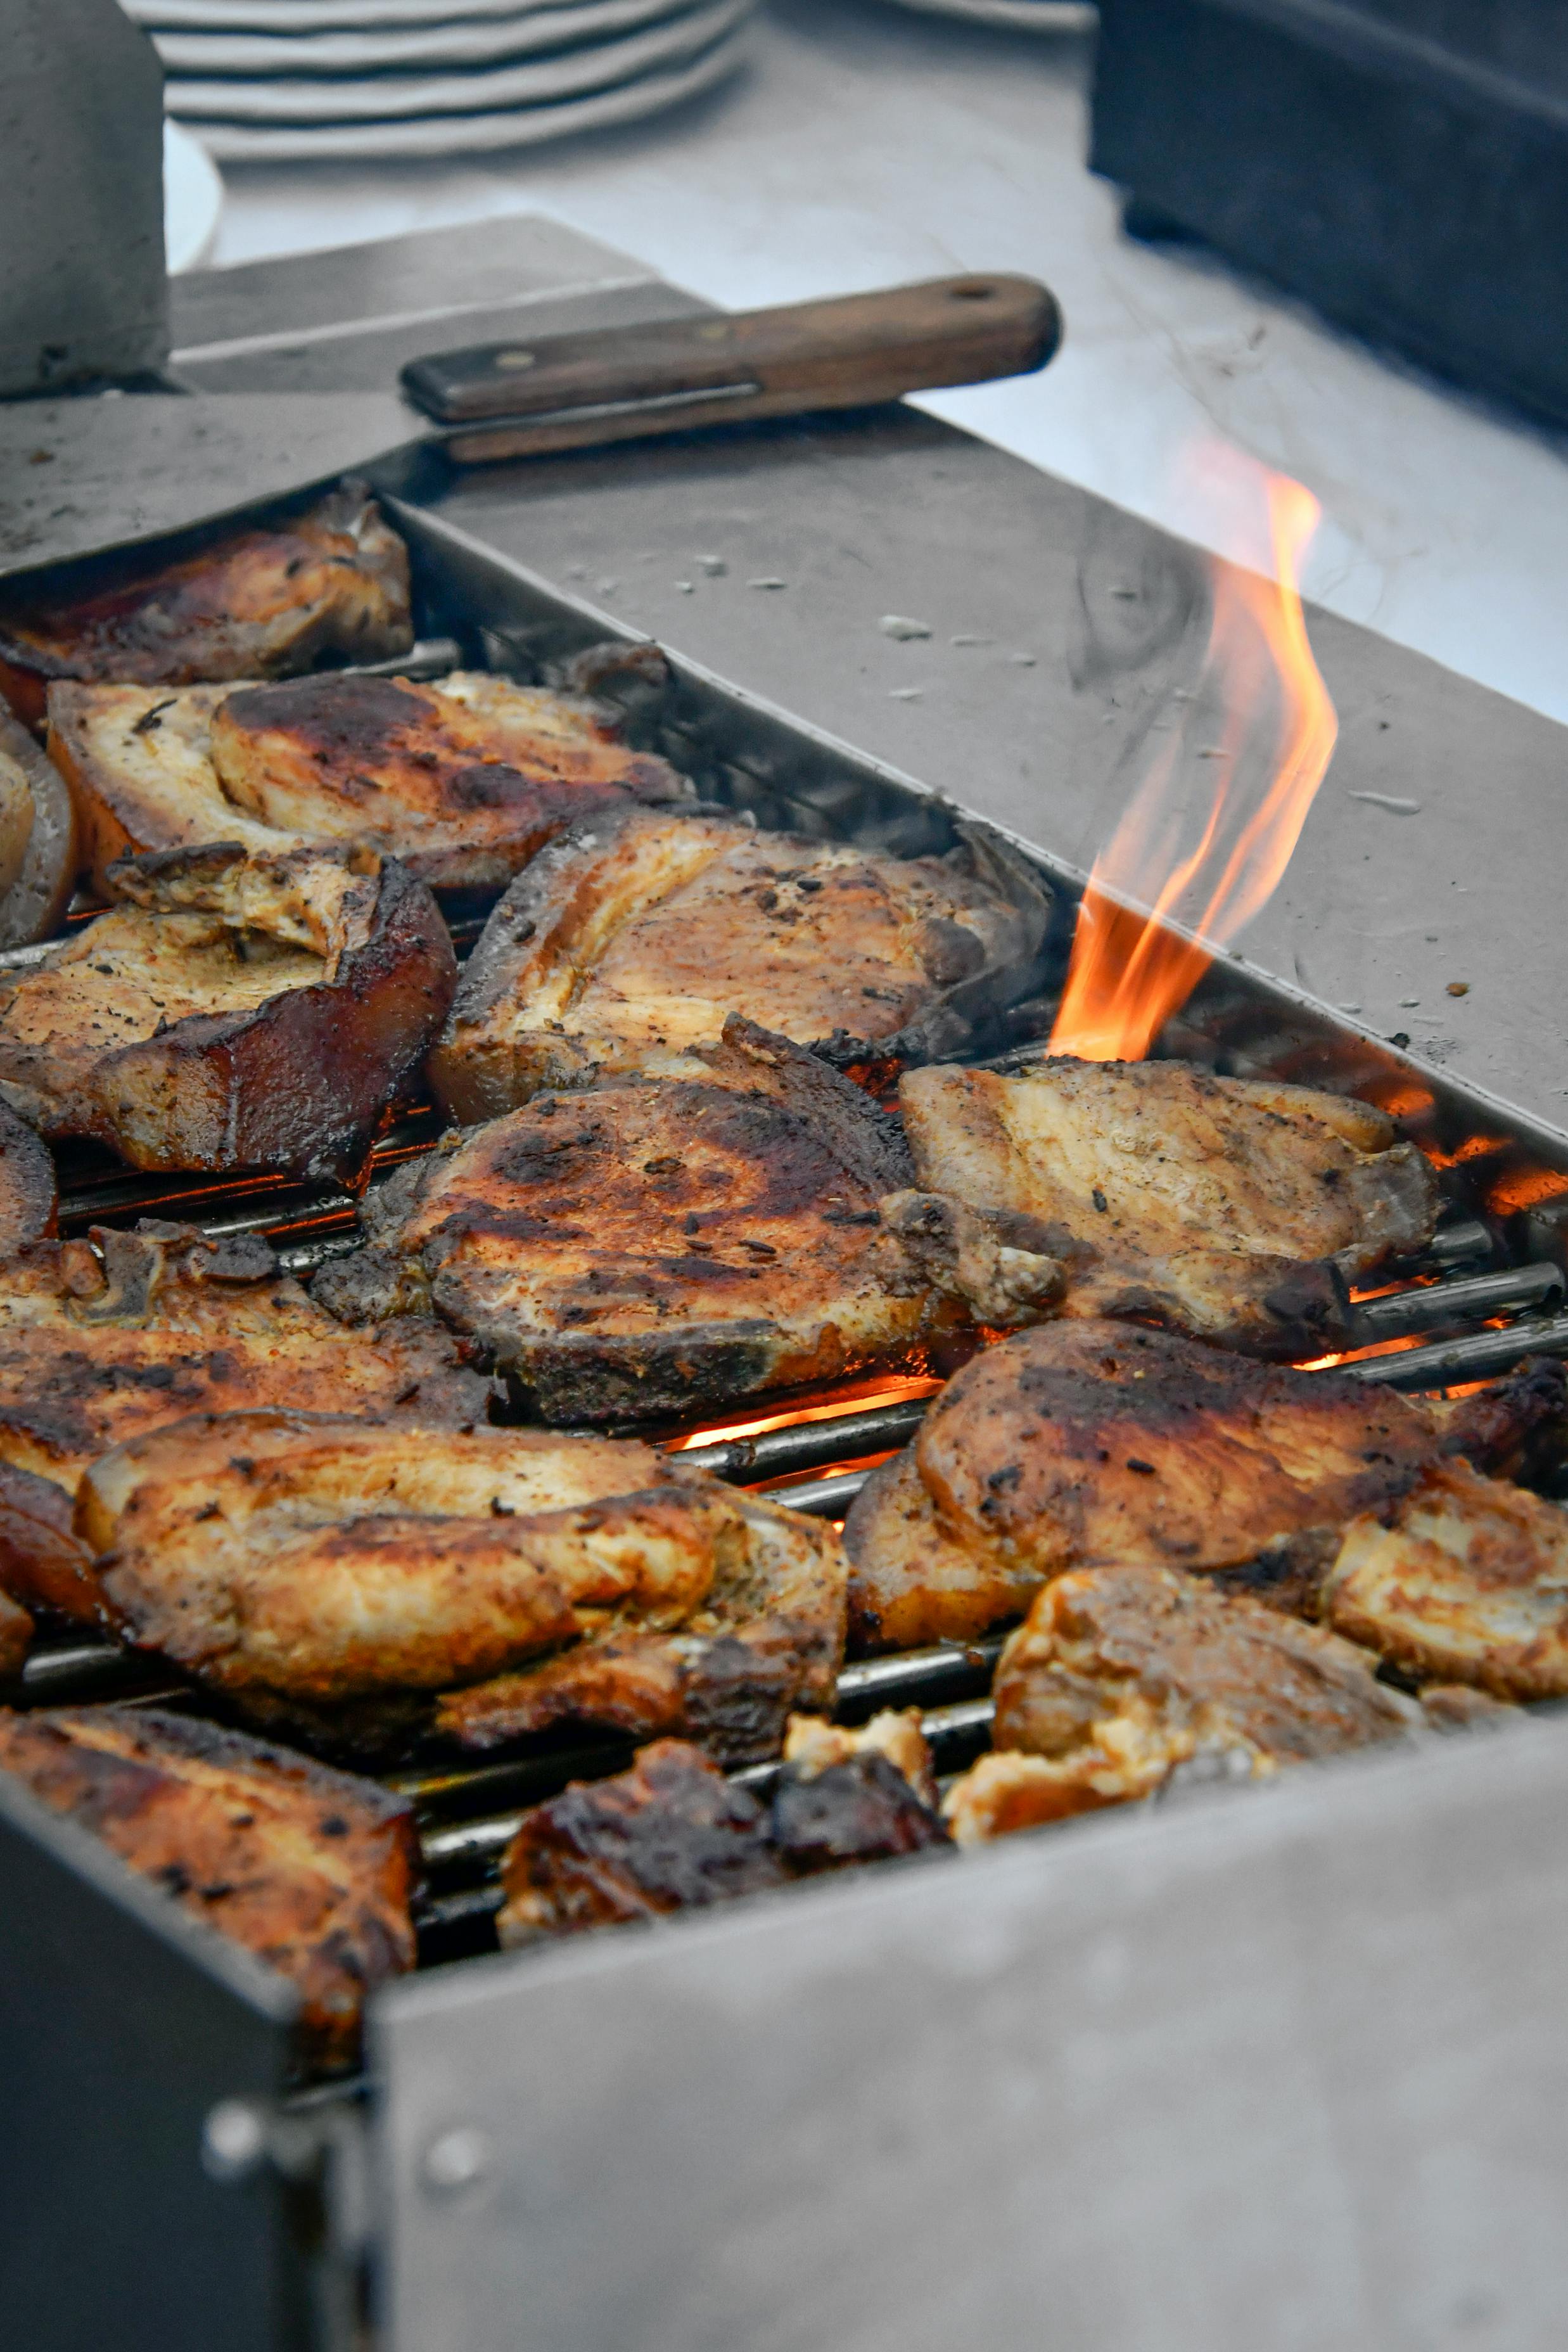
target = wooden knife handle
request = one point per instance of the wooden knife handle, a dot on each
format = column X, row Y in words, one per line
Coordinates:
column 570, row 392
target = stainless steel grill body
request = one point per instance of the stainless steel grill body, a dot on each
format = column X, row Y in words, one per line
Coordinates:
column 1205, row 2074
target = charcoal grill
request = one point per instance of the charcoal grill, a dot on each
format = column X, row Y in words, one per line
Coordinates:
column 1113, row 2087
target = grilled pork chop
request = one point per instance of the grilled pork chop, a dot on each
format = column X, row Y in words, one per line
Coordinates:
column 1462, row 1579
column 257, row 605
column 309, row 1869
column 1121, row 1676
column 1232, row 1209
column 99, row 1343
column 306, row 1564
column 672, row 1834
column 37, row 838
column 658, row 1243
column 27, row 1185
column 642, row 933
column 1082, row 1444
column 231, row 1012
column 45, row 1568
column 464, row 779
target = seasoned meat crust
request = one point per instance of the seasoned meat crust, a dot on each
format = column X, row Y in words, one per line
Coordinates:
column 313, row 1561
column 37, row 838
column 309, row 1869
column 672, row 1834
column 1461, row 1579
column 98, row 1344
column 1081, row 1444
column 45, row 1568
column 640, row 934
column 1120, row 1677
column 255, row 604
column 1233, row 1209
column 463, row 779
column 233, row 1012
column 27, row 1185
column 658, row 1244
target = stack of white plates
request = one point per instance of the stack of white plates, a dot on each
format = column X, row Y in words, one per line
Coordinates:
column 1022, row 16
column 287, row 80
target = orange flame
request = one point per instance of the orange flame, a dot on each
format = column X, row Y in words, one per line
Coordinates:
column 1129, row 971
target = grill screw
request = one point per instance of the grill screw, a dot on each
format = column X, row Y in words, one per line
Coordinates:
column 234, row 2141
column 454, row 2160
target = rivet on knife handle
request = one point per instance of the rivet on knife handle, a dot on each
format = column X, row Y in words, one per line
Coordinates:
column 564, row 392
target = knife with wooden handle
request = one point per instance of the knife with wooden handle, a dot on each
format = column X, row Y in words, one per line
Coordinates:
column 530, row 397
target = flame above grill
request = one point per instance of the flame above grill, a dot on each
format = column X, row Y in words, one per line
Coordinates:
column 1208, row 861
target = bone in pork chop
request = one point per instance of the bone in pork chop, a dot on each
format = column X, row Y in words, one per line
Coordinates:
column 463, row 779
column 257, row 605
column 1121, row 1677
column 1462, row 1579
column 232, row 1012
column 98, row 1344
column 336, row 1574
column 27, row 1185
column 1081, row 1444
column 642, row 933
column 672, row 1834
column 308, row 1868
column 1233, row 1209
column 661, row 1242
column 37, row 838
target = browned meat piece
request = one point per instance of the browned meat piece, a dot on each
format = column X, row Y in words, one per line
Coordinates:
column 658, row 1244
column 463, row 779
column 1461, row 1579
column 641, row 934
column 256, row 605
column 309, row 1869
column 1082, row 1444
column 98, row 1343
column 43, row 1564
column 232, row 1012
column 672, row 1835
column 37, row 838
column 310, row 1561
column 27, row 1185
column 1232, row 1209
column 1121, row 1676
column 15, row 1636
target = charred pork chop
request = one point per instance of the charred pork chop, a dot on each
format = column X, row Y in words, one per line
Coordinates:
column 27, row 1185
column 315, row 1569
column 464, row 779
column 1232, row 1209
column 672, row 1834
column 661, row 1242
column 642, row 933
column 258, row 605
column 232, row 1012
column 99, row 1343
column 309, row 1869
column 1121, row 1676
column 1081, row 1444
column 37, row 838
column 1463, row 1578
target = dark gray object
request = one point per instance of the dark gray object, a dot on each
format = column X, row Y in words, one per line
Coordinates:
column 83, row 290
column 1402, row 164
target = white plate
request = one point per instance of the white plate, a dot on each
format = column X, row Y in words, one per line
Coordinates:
column 471, row 134
column 382, row 98
column 1021, row 16
column 485, row 41
column 320, row 16
column 193, row 199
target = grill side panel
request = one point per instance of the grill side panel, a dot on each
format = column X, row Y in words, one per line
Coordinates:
column 119, row 2029
column 1296, row 2064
